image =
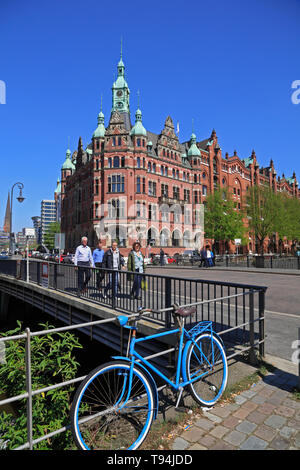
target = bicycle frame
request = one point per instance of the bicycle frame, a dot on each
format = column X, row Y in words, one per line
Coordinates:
column 190, row 335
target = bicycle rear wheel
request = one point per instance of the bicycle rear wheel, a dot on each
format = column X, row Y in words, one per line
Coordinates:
column 206, row 359
column 104, row 417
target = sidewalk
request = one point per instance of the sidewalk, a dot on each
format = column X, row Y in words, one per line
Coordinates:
column 267, row 416
column 293, row 272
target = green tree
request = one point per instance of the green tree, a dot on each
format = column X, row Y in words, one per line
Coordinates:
column 49, row 237
column 51, row 362
column 222, row 220
column 264, row 212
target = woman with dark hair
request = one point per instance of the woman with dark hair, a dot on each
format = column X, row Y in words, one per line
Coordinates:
column 136, row 264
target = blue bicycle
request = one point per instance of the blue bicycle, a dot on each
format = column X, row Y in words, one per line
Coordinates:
column 115, row 405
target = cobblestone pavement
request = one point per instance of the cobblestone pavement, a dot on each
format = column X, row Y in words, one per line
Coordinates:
column 267, row 416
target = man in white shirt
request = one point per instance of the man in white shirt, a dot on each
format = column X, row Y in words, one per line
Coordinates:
column 83, row 261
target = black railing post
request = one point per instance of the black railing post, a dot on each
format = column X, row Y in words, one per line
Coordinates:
column 168, row 301
column 252, row 357
column 227, row 260
column 247, row 261
column 298, row 262
column 114, row 291
column 261, row 309
column 54, row 276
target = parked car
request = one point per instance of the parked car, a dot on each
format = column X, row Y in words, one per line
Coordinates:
column 68, row 259
column 3, row 255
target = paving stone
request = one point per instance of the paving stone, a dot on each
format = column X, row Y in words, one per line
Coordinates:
column 287, row 432
column 256, row 417
column 233, row 407
column 221, row 445
column 221, row 412
column 235, row 438
column 242, row 413
column 246, row 427
column 219, row 431
column 193, row 434
column 275, row 400
column 266, row 392
column 214, row 418
column 207, row 441
column 294, row 423
column 297, row 440
column 258, row 399
column 248, row 393
column 249, row 405
column 265, row 432
column 204, row 424
column 291, row 403
column 285, row 411
column 197, row 446
column 266, row 408
column 275, row 421
column 254, row 443
column 280, row 443
column 297, row 415
column 180, row 444
column 231, row 422
column 240, row 400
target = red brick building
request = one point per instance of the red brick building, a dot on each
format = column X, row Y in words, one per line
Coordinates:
column 130, row 183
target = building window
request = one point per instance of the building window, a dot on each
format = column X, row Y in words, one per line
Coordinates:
column 144, row 185
column 116, row 162
column 164, row 190
column 176, row 192
column 97, row 145
column 97, row 187
column 116, row 184
column 138, row 142
column 152, row 188
column 138, row 162
column 114, row 141
column 122, row 162
column 119, row 141
column 162, row 171
column 149, row 166
column 154, row 168
column 204, row 190
column 138, row 184
column 109, row 163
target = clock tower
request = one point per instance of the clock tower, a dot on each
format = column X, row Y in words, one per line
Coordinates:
column 120, row 95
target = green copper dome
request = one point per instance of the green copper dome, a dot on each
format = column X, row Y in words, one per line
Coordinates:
column 100, row 131
column 68, row 165
column 138, row 128
column 193, row 150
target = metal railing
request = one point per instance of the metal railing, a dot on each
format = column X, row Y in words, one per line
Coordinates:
column 231, row 306
column 29, row 394
column 270, row 261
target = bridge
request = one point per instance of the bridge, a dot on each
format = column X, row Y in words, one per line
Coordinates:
column 237, row 310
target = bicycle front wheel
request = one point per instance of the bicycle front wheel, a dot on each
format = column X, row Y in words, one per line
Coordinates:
column 206, row 368
column 108, row 414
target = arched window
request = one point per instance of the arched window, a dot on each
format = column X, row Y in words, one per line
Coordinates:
column 116, row 162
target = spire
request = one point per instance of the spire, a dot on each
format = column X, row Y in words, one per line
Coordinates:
column 100, row 131
column 68, row 164
column 193, row 150
column 6, row 226
column 138, row 128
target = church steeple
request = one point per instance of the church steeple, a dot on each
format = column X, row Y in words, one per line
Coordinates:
column 121, row 92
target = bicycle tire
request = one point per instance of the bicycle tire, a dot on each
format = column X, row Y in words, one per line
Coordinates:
column 112, row 427
column 208, row 389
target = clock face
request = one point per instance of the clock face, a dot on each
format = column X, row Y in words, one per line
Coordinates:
column 119, row 93
column 120, row 104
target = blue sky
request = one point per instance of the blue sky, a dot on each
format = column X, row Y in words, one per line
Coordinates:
column 228, row 65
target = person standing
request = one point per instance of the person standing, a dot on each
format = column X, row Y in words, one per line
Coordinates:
column 112, row 259
column 83, row 260
column 209, row 262
column 203, row 257
column 98, row 254
column 136, row 264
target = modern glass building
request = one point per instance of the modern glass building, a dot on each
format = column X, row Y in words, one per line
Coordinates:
column 48, row 215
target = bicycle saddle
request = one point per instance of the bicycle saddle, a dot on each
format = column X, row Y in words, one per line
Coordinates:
column 184, row 311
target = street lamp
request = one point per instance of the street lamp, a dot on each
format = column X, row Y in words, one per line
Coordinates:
column 20, row 198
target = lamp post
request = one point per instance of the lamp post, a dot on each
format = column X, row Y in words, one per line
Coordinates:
column 20, row 198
